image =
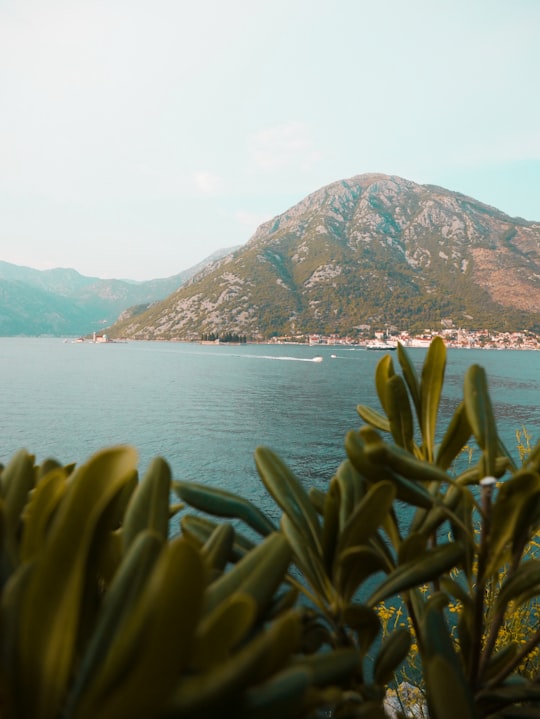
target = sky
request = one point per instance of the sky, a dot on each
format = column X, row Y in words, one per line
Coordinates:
column 137, row 137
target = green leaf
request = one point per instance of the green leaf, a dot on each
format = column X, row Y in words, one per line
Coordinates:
column 521, row 585
column 430, row 393
column 365, row 622
column 43, row 502
column 222, row 630
column 383, row 372
column 121, row 597
column 455, row 438
column 307, row 559
column 406, row 464
column 399, row 413
column 513, row 498
column 354, row 566
column 367, row 516
column 430, row 565
column 47, row 637
column 480, row 415
column 220, row 689
column 332, row 667
column 199, row 530
column 392, row 653
column 411, row 378
column 352, row 490
column 17, row 479
column 374, row 418
column 449, row 694
column 281, row 695
column 259, row 574
column 287, row 491
column 218, row 550
column 146, row 659
column 332, row 507
column 222, row 503
column 149, row 504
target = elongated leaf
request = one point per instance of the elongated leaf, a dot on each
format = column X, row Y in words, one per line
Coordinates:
column 411, row 378
column 448, row 695
column 408, row 491
column 521, row 585
column 513, row 498
column 383, row 372
column 47, row 637
column 199, row 531
column 149, row 504
column 331, row 517
column 367, row 516
column 480, row 415
column 414, row 545
column 332, row 667
column 365, row 622
column 118, row 603
column 281, row 695
column 317, row 498
column 43, row 502
column 415, row 572
column 399, row 413
column 352, row 489
column 311, row 563
column 517, row 693
column 393, row 651
column 430, row 393
column 455, row 438
column 355, row 565
column 406, row 464
column 287, row 491
column 259, row 573
column 222, row 630
column 448, row 691
column 218, row 550
column 17, row 479
column 143, row 666
column 222, row 503
column 374, row 418
column 215, row 692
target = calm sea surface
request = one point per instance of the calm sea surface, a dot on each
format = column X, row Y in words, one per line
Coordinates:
column 206, row 408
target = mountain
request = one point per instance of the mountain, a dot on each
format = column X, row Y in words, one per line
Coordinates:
column 373, row 249
column 63, row 302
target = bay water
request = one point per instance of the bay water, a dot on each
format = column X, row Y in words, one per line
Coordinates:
column 205, row 408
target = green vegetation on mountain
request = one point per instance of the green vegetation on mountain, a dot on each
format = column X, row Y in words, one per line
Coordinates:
column 373, row 250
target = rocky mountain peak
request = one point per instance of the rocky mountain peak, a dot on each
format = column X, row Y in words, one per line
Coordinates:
column 370, row 249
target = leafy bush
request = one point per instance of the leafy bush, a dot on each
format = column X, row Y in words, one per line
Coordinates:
column 102, row 614
column 401, row 526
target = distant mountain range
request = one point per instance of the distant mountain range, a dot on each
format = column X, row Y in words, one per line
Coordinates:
column 370, row 250
column 63, row 302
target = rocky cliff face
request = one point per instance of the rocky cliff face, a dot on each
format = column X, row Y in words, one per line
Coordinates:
column 373, row 249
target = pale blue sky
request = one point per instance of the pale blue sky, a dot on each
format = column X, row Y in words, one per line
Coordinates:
column 138, row 136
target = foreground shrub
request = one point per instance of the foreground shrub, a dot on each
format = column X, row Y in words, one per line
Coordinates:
column 400, row 529
column 102, row 615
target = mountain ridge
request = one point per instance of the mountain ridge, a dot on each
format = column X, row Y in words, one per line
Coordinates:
column 371, row 249
column 62, row 301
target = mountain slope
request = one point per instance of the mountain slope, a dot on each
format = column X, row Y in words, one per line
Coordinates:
column 63, row 302
column 373, row 249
